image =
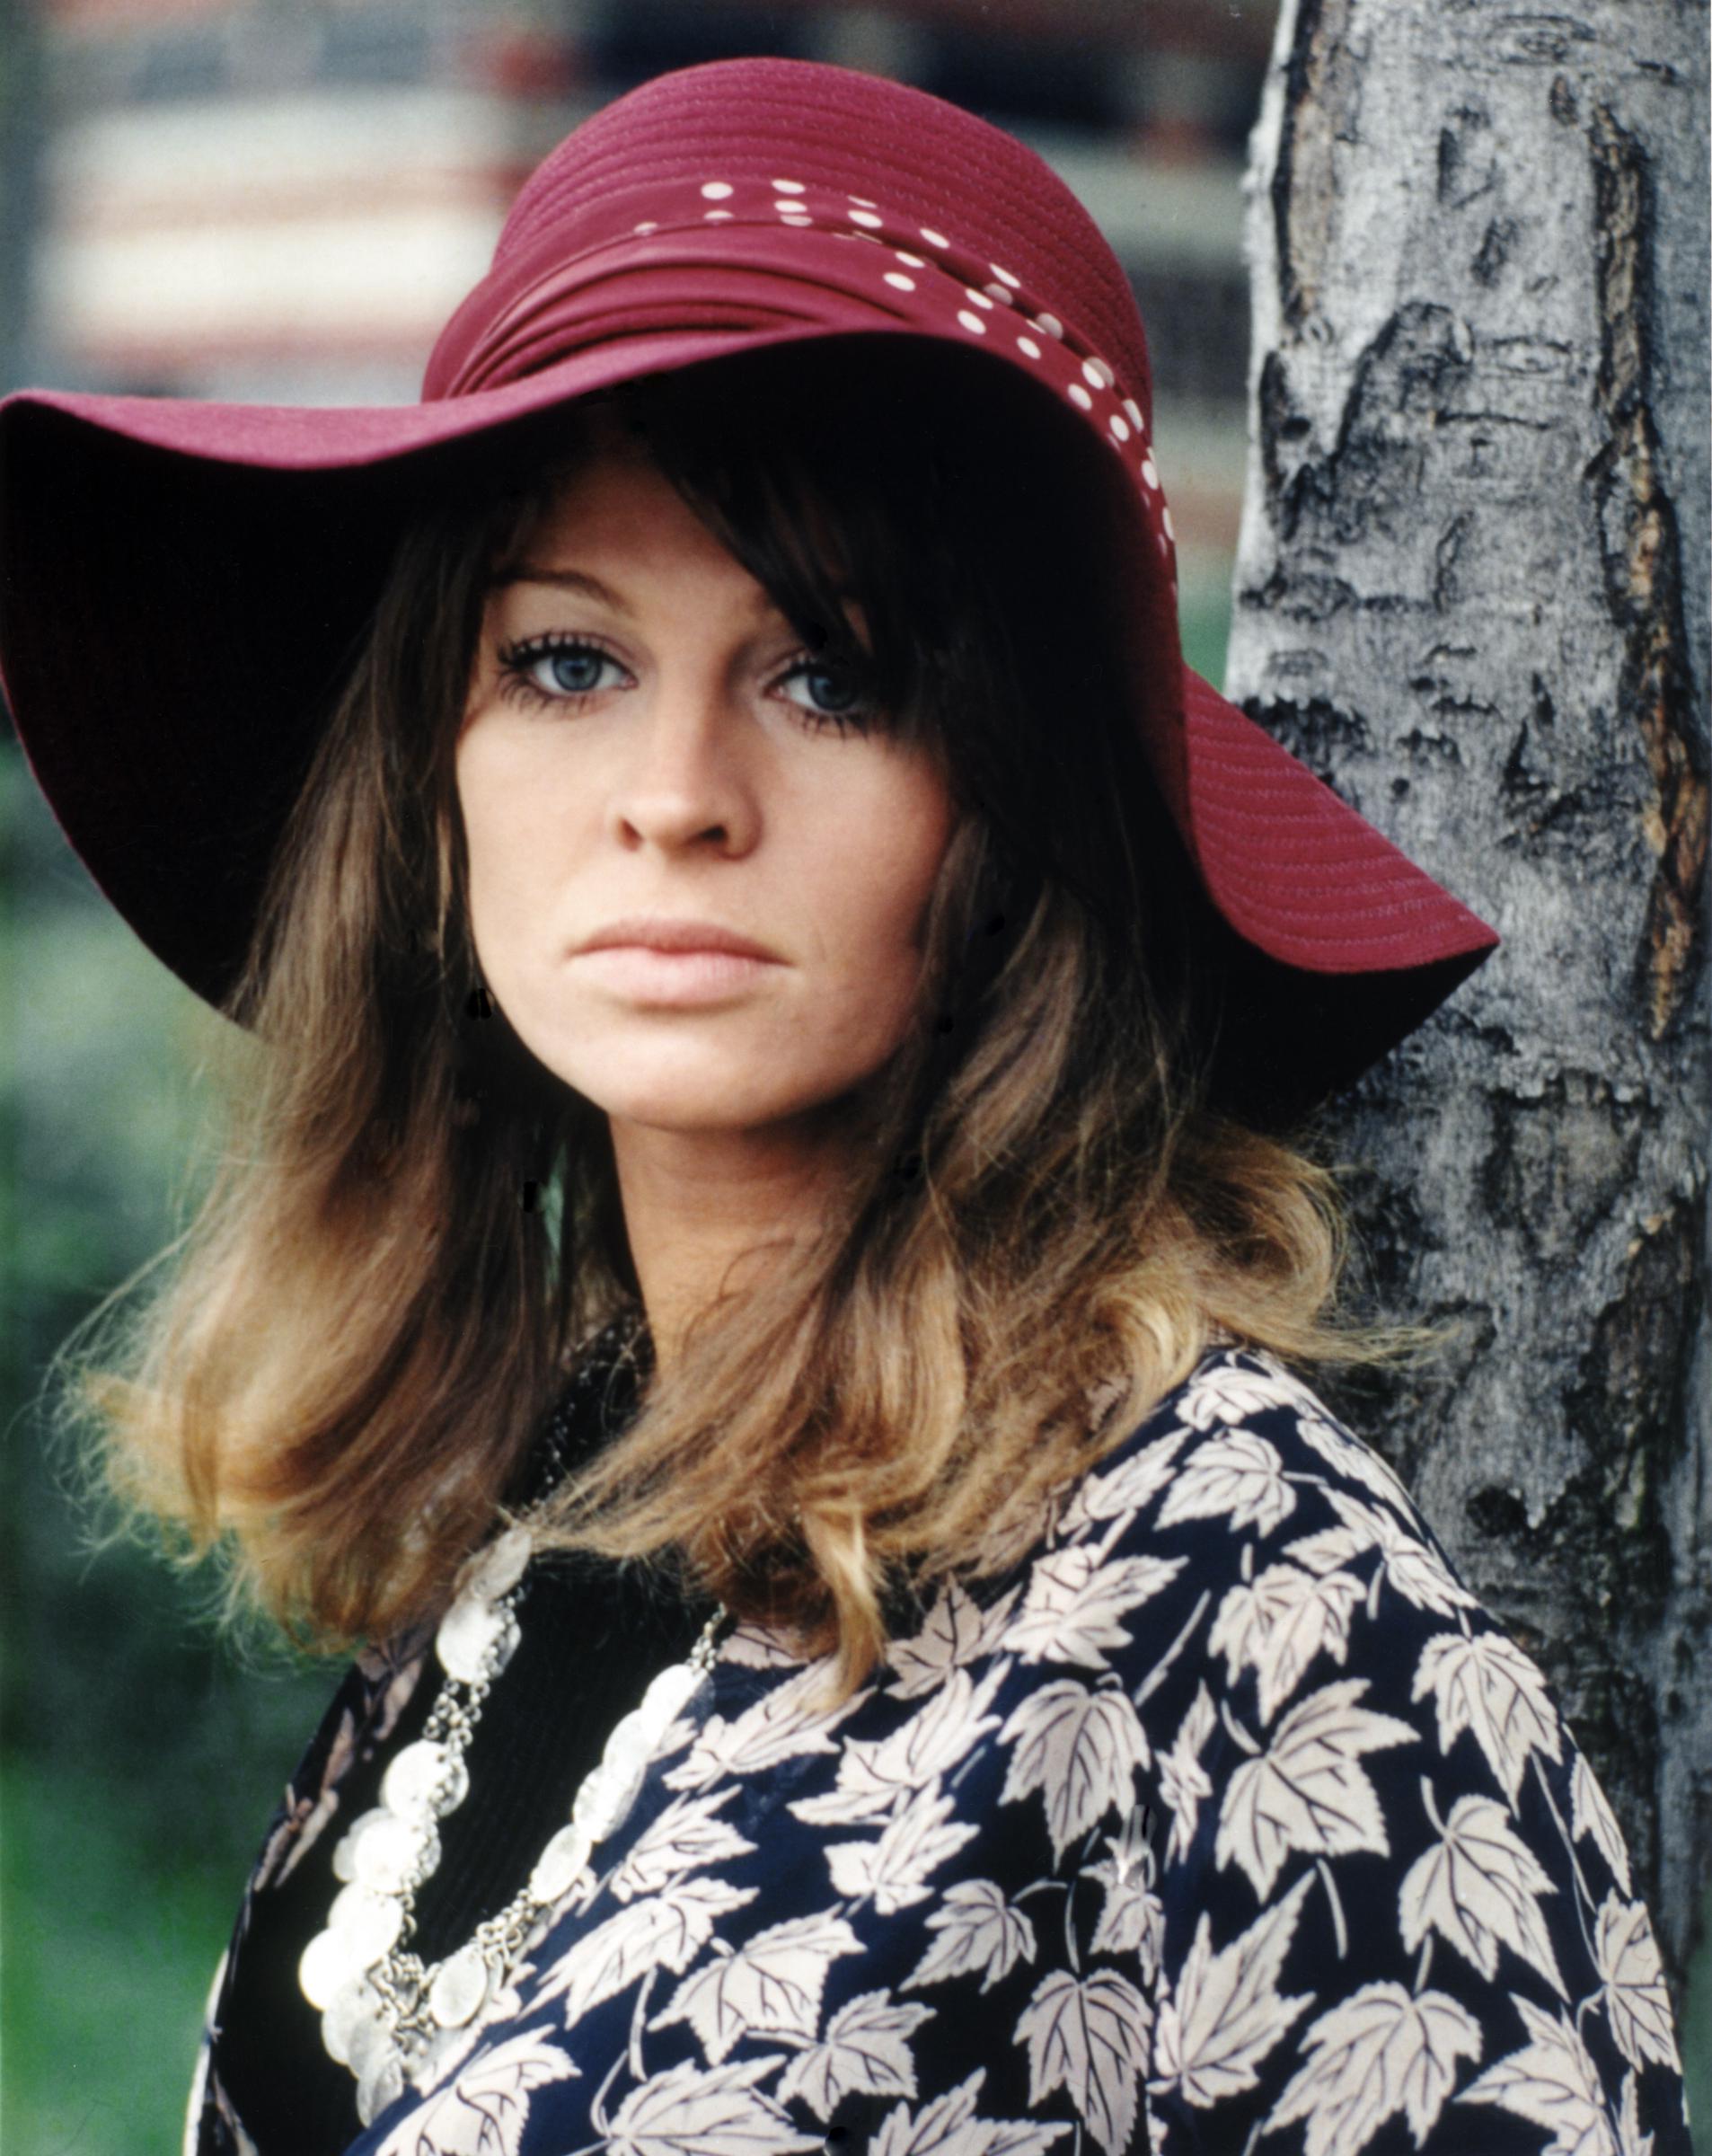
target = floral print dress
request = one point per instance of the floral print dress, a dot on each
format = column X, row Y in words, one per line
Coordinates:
column 1228, row 1822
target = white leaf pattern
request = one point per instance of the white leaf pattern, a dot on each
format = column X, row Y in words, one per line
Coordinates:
column 1225, row 2013
column 1551, row 2083
column 874, row 1773
column 1239, row 1475
column 1089, row 2037
column 1132, row 1917
column 1416, row 1571
column 1307, row 1791
column 1591, row 1814
column 1351, row 1458
column 1630, row 2139
column 1636, row 2001
column 978, row 1932
column 753, row 1646
column 865, row 2052
column 1231, row 1391
column 1080, row 1749
column 894, row 1870
column 687, row 1836
column 772, row 1985
column 1485, row 1684
column 947, row 2127
column 485, row 2111
column 956, row 1631
column 1128, row 1488
column 1276, row 1624
column 690, row 2112
column 667, row 1930
column 1184, row 1782
column 1074, row 1600
column 1478, row 1888
column 1093, row 1936
column 786, row 1723
column 1373, row 2055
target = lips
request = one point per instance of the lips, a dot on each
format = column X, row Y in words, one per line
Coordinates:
column 676, row 936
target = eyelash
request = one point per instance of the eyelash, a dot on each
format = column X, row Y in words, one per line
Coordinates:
column 518, row 660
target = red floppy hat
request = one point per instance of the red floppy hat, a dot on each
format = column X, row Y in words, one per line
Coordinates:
column 184, row 583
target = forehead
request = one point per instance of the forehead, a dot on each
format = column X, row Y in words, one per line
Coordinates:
column 613, row 502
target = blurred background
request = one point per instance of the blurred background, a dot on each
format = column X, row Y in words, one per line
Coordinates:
column 282, row 201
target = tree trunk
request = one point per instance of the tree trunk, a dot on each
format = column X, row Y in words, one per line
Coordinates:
column 1471, row 592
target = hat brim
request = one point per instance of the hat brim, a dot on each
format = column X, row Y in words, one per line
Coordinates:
column 183, row 585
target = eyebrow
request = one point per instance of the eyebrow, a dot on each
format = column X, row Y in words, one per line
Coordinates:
column 564, row 579
column 591, row 586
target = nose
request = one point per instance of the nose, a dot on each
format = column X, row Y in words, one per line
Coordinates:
column 686, row 782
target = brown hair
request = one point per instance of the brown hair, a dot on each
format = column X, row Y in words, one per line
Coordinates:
column 1055, row 1211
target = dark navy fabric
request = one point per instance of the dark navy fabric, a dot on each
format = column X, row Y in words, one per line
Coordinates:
column 1223, row 1821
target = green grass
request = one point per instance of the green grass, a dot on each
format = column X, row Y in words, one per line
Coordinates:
column 108, row 1962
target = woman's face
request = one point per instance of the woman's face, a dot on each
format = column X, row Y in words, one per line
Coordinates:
column 697, row 884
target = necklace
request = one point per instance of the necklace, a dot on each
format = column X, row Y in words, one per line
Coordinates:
column 386, row 2014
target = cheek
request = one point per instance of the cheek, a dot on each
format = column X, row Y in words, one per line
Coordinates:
column 505, row 809
column 889, row 861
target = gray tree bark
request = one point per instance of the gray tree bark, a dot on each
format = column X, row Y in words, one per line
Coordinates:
column 1471, row 592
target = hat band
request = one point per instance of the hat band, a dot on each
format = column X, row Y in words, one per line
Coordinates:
column 772, row 266
column 588, row 303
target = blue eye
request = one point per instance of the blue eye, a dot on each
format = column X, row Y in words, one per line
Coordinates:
column 830, row 690
column 560, row 668
column 576, row 671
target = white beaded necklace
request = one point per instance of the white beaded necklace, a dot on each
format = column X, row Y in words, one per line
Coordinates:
column 386, row 2013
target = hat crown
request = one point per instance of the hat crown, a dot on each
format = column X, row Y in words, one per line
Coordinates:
column 863, row 138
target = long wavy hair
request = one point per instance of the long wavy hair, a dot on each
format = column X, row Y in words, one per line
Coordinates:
column 1052, row 1215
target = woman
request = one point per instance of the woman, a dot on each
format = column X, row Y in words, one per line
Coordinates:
column 753, row 1267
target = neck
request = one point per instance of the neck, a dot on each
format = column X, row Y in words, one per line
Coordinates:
column 709, row 1213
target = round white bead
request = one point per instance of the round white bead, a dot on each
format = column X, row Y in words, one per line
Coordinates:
column 326, row 1964
column 669, row 1693
column 460, row 1987
column 425, row 1781
column 393, row 1852
column 496, row 1569
column 559, row 1865
column 345, row 1854
column 476, row 1640
column 604, row 1797
column 370, row 1922
column 382, row 2083
column 352, row 2024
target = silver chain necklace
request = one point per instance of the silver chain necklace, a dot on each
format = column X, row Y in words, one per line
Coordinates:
column 386, row 2014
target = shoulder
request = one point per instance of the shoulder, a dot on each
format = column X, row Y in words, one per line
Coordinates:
column 1363, row 1792
column 1245, row 1443
column 1245, row 1477
column 1242, row 1499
